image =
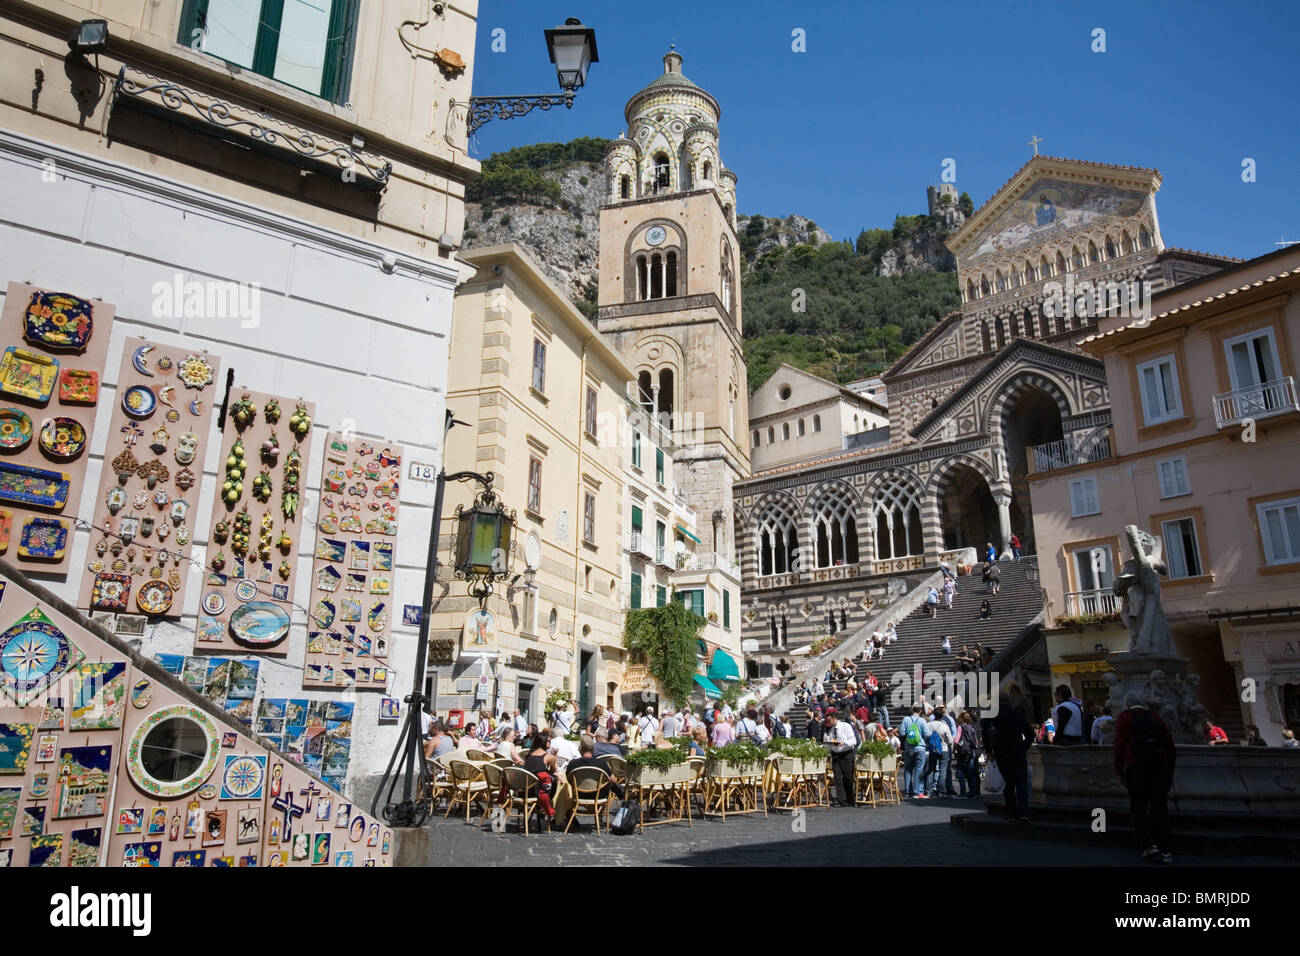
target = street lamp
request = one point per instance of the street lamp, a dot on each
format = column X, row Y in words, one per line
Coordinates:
column 572, row 48
column 484, row 544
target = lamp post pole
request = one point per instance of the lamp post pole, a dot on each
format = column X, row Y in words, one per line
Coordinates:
column 413, row 809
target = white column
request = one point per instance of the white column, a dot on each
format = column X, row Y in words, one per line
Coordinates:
column 663, row 277
column 1004, row 523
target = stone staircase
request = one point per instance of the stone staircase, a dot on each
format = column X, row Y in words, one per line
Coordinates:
column 1017, row 604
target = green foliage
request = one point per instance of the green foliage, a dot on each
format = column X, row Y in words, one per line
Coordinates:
column 1080, row 620
column 505, row 220
column 517, row 174
column 555, row 700
column 800, row 748
column 965, row 204
column 945, row 200
column 665, row 638
column 587, row 304
column 738, row 752
column 876, row 748
column 583, row 180
column 731, row 691
column 659, row 757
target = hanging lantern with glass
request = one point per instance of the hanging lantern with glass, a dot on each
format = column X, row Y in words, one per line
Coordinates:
column 485, row 542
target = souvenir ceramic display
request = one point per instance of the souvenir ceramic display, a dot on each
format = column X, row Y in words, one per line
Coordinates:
column 139, row 401
column 139, row 360
column 259, row 624
column 214, row 602
column 195, row 372
column 37, row 487
column 246, row 590
column 63, row 438
column 43, row 538
column 15, row 429
column 34, row 653
column 111, row 592
column 154, row 597
column 78, row 386
column 28, row 374
column 58, row 321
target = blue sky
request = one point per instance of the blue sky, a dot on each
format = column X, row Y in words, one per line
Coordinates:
column 851, row 132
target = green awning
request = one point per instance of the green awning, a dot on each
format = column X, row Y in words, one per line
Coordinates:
column 689, row 535
column 723, row 666
column 710, row 688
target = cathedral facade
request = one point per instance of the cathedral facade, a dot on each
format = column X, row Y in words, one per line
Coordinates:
column 994, row 392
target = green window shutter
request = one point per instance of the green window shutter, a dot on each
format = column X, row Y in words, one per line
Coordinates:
column 659, row 465
column 636, row 591
column 726, row 609
column 697, row 602
column 636, row 518
column 661, row 596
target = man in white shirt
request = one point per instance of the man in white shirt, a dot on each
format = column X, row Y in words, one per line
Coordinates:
column 842, row 743
column 817, row 688
column 564, row 718
column 647, row 727
column 520, row 723
column 749, row 728
column 670, row 723
column 564, row 750
column 426, row 722
column 1103, row 727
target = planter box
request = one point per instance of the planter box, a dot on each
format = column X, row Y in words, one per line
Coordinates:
column 799, row 767
column 723, row 768
column 639, row 776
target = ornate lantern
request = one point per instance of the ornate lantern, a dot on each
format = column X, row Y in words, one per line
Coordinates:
column 485, row 542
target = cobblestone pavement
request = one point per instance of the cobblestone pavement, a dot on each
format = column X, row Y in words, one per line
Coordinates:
column 915, row 834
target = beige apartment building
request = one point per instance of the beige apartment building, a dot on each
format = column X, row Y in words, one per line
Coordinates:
column 541, row 394
column 312, row 156
column 1206, row 439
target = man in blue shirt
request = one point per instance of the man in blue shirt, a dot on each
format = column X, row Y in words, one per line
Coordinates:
column 914, row 733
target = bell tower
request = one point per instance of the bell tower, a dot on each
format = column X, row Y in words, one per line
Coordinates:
column 669, row 294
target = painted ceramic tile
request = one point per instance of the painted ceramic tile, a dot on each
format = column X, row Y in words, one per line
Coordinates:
column 142, row 854
column 320, row 849
column 193, row 820
column 223, row 861
column 39, row 787
column 52, row 716
column 343, row 816
column 9, row 799
column 46, row 850
column 83, row 781
column 301, row 846
column 381, row 557
column 248, row 825
column 6, row 858
column 343, row 858
column 157, row 821
column 188, row 857
column 15, row 747
column 33, row 821
column 243, row 777
column 98, row 696
column 248, row 861
column 46, row 747
column 83, row 846
column 130, row 819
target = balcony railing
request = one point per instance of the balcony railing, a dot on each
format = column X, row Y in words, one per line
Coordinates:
column 1071, row 451
column 684, row 511
column 712, row 561
column 1103, row 601
column 639, row 543
column 1255, row 401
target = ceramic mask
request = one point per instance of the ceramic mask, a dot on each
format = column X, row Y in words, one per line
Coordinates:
column 185, row 447
column 146, row 527
column 141, row 499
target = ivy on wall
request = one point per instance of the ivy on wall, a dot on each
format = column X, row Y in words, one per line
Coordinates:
column 665, row 638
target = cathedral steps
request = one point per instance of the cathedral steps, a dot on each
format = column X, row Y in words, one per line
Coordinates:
column 1017, row 604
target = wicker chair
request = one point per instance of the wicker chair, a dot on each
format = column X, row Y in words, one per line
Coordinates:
column 524, row 788
column 495, row 777
column 617, row 767
column 479, row 756
column 889, row 790
column 467, row 783
column 440, row 785
column 590, row 795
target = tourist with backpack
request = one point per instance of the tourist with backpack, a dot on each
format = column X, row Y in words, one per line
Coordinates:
column 1144, row 759
column 939, row 744
column 915, row 734
column 966, row 750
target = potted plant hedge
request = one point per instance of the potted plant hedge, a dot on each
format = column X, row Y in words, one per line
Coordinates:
column 658, row 766
column 800, row 756
column 737, row 759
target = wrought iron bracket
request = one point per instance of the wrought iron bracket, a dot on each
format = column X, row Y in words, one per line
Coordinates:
column 244, row 124
column 485, row 108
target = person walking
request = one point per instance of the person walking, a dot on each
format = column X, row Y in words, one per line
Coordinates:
column 915, row 734
column 967, row 751
column 1144, row 759
column 1015, row 548
column 940, row 747
column 949, row 592
column 932, row 601
column 990, row 553
column 1007, row 739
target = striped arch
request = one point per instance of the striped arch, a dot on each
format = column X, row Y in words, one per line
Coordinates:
column 940, row 474
column 1005, row 394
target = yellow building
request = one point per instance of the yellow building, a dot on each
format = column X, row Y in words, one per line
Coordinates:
column 1206, row 439
column 541, row 394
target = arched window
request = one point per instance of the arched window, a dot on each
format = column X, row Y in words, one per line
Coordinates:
column 728, row 277
column 624, row 187
column 662, row 172
column 1094, row 254
column 897, row 514
column 986, row 337
column 785, row 431
column 1044, row 268
column 656, row 276
column 1144, row 238
column 1076, row 257
column 1060, row 265
column 970, row 291
column 1126, row 242
column 802, row 430
column 1027, row 324
column 671, row 289
column 665, row 391
column 1001, row 281
column 646, row 392
column 757, row 438
column 835, row 529
column 999, row 326
column 726, row 211
column 778, row 536
column 642, row 278
column 984, row 286
column 708, row 171
column 771, row 435
column 1111, row 249
column 817, row 423
column 1029, row 272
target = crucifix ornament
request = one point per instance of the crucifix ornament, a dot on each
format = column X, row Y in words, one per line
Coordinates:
column 285, row 804
column 1034, row 141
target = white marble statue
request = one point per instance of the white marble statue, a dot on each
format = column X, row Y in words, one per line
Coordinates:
column 1138, row 584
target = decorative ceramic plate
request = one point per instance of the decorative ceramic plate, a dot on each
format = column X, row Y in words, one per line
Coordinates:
column 214, row 602
column 207, row 791
column 141, row 694
column 15, row 429
column 154, row 597
column 243, row 777
column 63, row 438
column 245, row 591
column 77, row 386
column 166, row 788
column 323, row 614
column 25, row 485
column 259, row 624
column 55, row 320
column 110, row 592
column 195, row 372
column 139, row 401
column 34, row 653
column 27, row 374
column 45, row 538
column 6, row 525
